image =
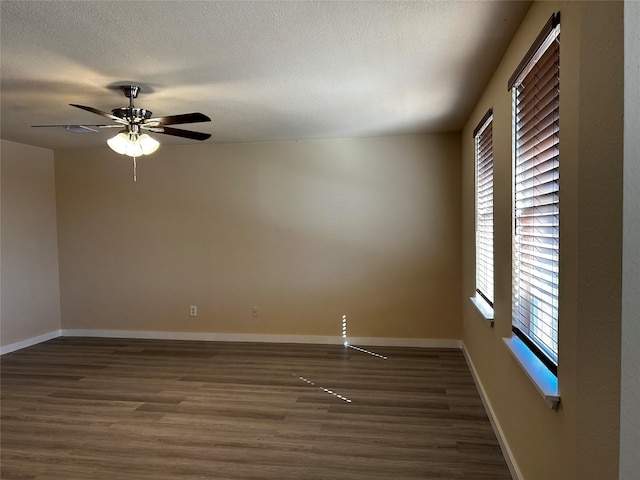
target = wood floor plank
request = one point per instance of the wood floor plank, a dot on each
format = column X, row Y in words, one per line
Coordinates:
column 94, row 409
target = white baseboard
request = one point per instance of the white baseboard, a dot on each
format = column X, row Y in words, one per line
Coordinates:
column 12, row 347
column 203, row 336
column 406, row 342
column 237, row 337
column 504, row 446
column 266, row 338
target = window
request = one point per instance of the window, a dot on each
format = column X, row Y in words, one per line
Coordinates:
column 536, row 98
column 483, row 135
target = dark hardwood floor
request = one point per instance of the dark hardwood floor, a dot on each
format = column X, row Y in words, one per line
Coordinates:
column 94, row 409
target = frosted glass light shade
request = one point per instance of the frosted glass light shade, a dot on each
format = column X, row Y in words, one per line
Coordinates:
column 148, row 144
column 133, row 145
column 133, row 149
column 119, row 143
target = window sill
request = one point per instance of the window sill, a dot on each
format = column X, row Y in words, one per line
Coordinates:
column 545, row 382
column 485, row 310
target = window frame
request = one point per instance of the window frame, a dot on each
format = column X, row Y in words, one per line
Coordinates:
column 484, row 245
column 530, row 224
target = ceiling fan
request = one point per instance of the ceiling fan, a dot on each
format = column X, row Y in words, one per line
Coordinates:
column 133, row 122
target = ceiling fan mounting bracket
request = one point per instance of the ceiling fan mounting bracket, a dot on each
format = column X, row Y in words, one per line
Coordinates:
column 130, row 91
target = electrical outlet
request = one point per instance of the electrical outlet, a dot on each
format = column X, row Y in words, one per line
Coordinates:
column 193, row 311
column 255, row 311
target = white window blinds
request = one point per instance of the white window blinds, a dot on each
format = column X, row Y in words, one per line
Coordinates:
column 536, row 100
column 483, row 135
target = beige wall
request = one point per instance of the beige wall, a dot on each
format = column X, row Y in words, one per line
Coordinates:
column 580, row 440
column 307, row 231
column 29, row 274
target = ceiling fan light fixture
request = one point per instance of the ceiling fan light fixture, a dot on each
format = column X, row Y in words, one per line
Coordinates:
column 133, row 144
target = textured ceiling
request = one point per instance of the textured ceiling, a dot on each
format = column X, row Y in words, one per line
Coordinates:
column 261, row 70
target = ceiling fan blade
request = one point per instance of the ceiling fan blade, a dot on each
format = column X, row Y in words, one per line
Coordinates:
column 177, row 132
column 112, row 125
column 178, row 119
column 74, row 128
column 101, row 113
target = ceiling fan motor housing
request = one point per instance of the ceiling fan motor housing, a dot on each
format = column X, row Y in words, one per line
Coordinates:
column 132, row 114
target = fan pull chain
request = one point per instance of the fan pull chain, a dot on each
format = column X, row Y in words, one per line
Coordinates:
column 135, row 168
